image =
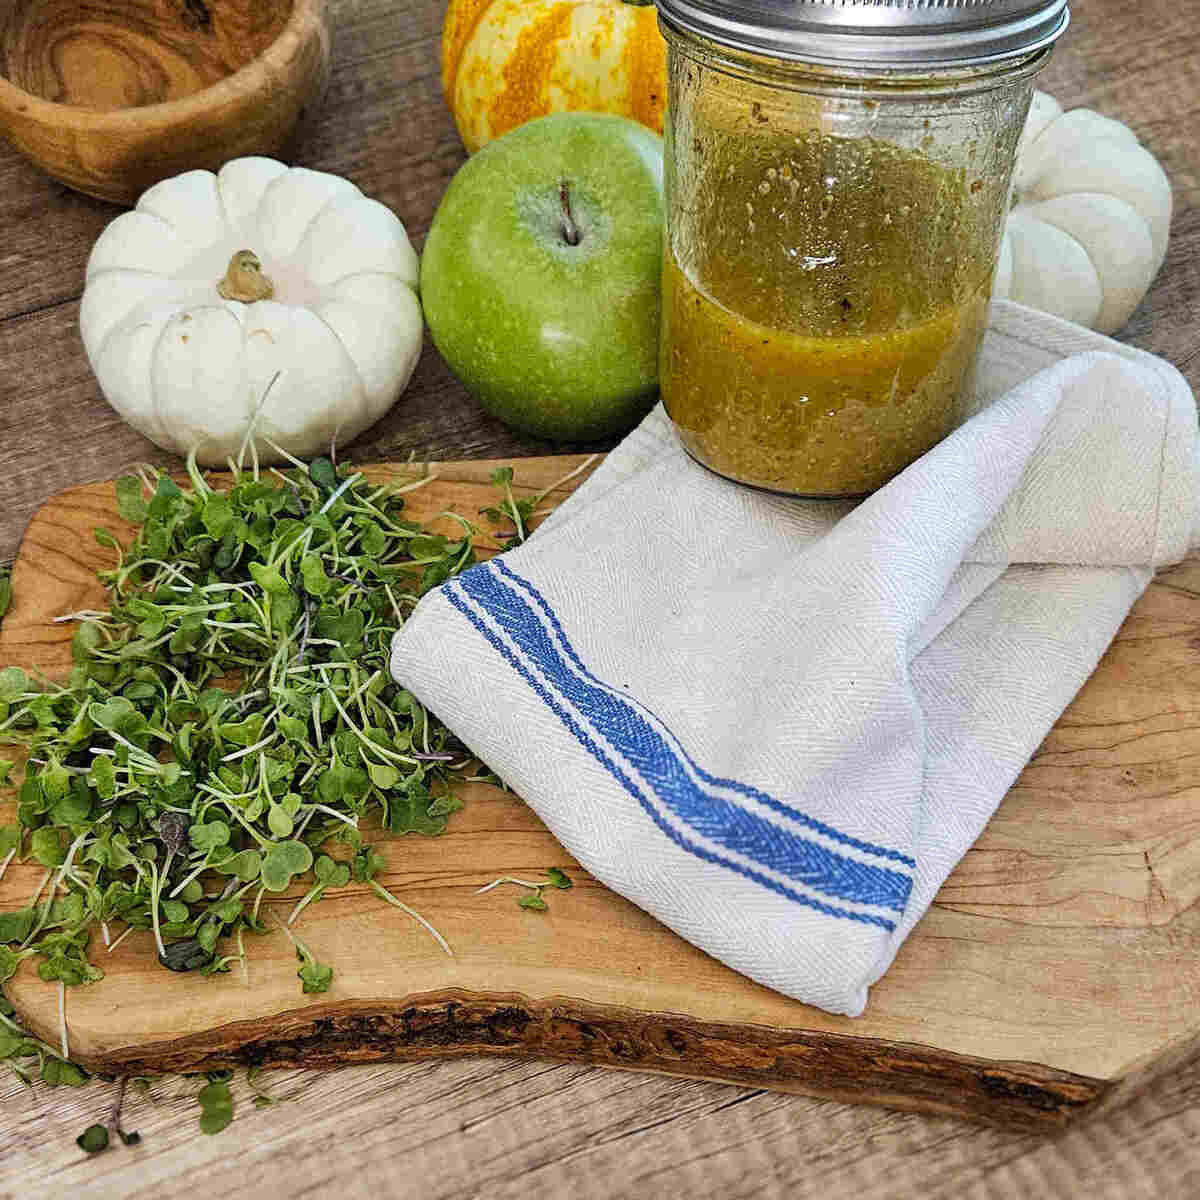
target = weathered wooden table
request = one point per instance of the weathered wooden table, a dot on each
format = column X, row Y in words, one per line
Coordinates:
column 507, row 1128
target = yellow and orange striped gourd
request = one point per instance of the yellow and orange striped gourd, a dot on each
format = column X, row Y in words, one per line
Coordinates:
column 505, row 62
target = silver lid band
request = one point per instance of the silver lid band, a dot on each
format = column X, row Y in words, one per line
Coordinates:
column 886, row 34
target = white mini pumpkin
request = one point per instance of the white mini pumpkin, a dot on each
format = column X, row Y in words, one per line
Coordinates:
column 193, row 368
column 1091, row 211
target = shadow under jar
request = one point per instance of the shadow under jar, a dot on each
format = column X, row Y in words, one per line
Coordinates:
column 837, row 180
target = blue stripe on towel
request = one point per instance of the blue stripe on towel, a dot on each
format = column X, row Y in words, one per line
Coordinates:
column 597, row 752
column 639, row 743
column 733, row 785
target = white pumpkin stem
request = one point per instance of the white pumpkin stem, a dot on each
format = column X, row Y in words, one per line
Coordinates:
column 244, row 280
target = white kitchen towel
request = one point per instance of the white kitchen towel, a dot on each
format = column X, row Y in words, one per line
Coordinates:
column 777, row 724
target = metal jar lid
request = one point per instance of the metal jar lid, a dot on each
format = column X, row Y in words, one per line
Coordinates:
column 883, row 34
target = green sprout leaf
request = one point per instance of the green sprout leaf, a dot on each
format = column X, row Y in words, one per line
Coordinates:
column 270, row 580
column 409, row 811
column 16, row 925
column 218, row 516
column 316, row 582
column 93, row 1139
column 45, row 847
column 383, row 775
column 131, row 503
column 208, row 835
column 315, row 977
column 282, row 861
column 9, row 960
column 322, row 472
column 331, row 874
column 103, row 777
column 246, row 865
column 13, row 684
column 216, row 1105
column 278, row 821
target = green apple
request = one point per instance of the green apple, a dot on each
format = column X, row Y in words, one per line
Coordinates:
column 540, row 277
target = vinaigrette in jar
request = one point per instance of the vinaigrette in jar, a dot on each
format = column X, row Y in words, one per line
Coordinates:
column 836, row 183
column 828, row 368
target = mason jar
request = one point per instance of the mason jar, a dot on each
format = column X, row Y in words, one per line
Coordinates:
column 837, row 181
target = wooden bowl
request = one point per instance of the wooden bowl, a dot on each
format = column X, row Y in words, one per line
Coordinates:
column 110, row 96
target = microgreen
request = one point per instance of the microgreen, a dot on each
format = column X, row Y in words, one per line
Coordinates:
column 314, row 976
column 555, row 878
column 510, row 508
column 519, row 513
column 93, row 1139
column 216, row 1106
column 228, row 722
column 229, row 726
column 96, row 1137
column 47, row 1065
column 262, row 1098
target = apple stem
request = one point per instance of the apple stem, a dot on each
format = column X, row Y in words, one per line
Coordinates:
column 570, row 230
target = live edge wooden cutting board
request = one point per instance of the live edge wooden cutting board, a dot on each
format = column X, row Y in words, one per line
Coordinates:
column 1058, row 970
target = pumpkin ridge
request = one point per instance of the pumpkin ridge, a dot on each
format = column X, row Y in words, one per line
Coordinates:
column 166, row 232
column 291, row 175
column 331, row 202
column 159, row 217
column 164, row 283
column 123, row 325
column 1085, row 184
column 646, row 69
column 462, row 19
column 306, row 232
column 1047, row 217
column 1030, row 216
column 416, row 291
column 528, row 69
column 1122, row 180
column 152, row 364
column 181, row 197
column 255, row 410
column 1017, row 289
column 366, row 409
column 221, row 203
column 363, row 405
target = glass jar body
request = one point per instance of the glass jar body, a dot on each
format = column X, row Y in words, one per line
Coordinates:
column 831, row 241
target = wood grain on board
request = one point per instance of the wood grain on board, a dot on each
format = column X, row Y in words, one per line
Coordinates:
column 1047, row 977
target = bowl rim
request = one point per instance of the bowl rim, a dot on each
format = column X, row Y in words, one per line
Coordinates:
column 268, row 67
